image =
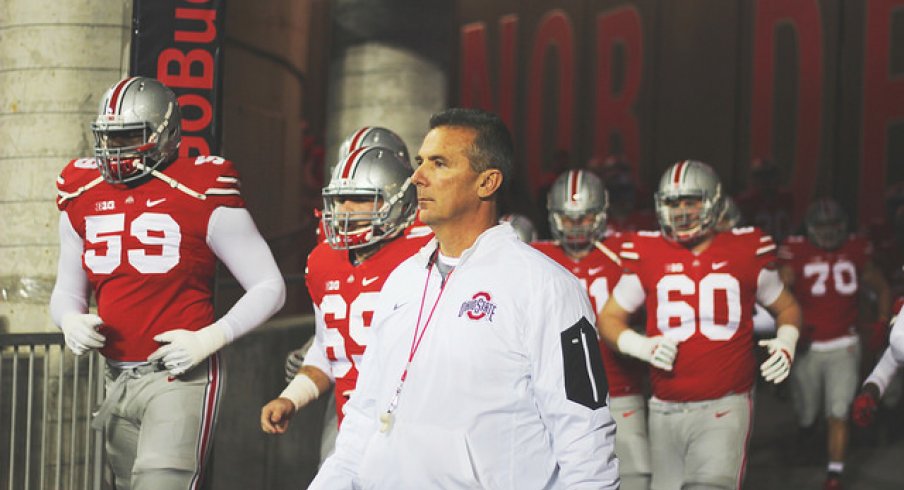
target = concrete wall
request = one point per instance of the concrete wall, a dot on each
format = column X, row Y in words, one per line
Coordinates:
column 56, row 59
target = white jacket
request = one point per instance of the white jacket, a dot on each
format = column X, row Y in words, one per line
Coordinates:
column 486, row 403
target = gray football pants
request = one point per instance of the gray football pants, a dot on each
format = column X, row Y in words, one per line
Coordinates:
column 158, row 432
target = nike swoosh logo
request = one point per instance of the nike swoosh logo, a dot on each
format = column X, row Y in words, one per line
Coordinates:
column 397, row 306
column 151, row 203
column 594, row 270
column 719, row 415
column 367, row 281
column 628, row 413
column 719, row 265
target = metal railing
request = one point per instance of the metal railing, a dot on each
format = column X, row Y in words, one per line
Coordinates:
column 47, row 396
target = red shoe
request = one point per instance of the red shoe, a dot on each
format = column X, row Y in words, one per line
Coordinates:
column 833, row 482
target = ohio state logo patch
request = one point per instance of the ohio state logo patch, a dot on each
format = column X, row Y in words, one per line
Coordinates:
column 478, row 307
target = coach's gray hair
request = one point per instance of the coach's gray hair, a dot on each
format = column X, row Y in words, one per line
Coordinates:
column 492, row 146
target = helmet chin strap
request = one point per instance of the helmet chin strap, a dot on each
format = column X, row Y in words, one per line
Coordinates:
column 169, row 180
column 398, row 195
column 389, row 203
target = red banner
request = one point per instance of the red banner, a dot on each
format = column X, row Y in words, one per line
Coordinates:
column 179, row 42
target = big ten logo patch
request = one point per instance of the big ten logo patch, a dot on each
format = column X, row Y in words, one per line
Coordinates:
column 478, row 307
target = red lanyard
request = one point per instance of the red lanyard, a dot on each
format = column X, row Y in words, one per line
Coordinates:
column 416, row 339
column 387, row 418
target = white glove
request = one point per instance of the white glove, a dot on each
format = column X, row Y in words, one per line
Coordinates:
column 781, row 354
column 80, row 332
column 659, row 351
column 185, row 349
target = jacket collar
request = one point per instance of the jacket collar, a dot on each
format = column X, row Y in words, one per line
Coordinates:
column 486, row 240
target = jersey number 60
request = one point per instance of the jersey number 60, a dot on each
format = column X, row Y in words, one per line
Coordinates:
column 712, row 327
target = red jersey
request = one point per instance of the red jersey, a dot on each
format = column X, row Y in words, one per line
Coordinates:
column 706, row 303
column 637, row 220
column 145, row 247
column 344, row 296
column 826, row 284
column 599, row 272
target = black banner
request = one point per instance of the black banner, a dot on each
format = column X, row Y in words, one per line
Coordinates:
column 179, row 42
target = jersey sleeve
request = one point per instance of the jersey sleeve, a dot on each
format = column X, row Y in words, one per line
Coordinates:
column 234, row 238
column 629, row 253
column 896, row 339
column 764, row 247
column 71, row 290
column 77, row 176
column 788, row 249
column 316, row 356
column 221, row 182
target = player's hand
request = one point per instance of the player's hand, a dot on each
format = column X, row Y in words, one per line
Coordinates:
column 293, row 363
column 184, row 349
column 777, row 367
column 276, row 414
column 659, row 351
column 80, row 332
column 663, row 351
column 863, row 410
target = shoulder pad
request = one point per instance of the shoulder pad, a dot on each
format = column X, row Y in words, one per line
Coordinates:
column 743, row 230
column 77, row 176
column 417, row 231
column 628, row 251
column 205, row 177
column 219, row 174
column 766, row 245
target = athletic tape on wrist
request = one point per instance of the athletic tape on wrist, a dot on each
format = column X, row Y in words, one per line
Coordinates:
column 301, row 391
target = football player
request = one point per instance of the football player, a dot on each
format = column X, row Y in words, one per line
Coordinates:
column 825, row 269
column 699, row 287
column 375, row 136
column 360, row 138
column 142, row 228
column 577, row 204
column 369, row 208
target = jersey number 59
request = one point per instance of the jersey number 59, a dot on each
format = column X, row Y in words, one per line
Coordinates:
column 153, row 229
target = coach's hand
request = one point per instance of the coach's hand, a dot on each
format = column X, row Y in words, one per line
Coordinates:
column 184, row 349
column 276, row 414
column 80, row 332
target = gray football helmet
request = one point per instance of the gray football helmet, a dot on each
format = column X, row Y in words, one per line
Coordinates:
column 522, row 225
column 378, row 181
column 375, row 136
column 826, row 224
column 577, row 205
column 688, row 179
column 138, row 121
column 731, row 215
